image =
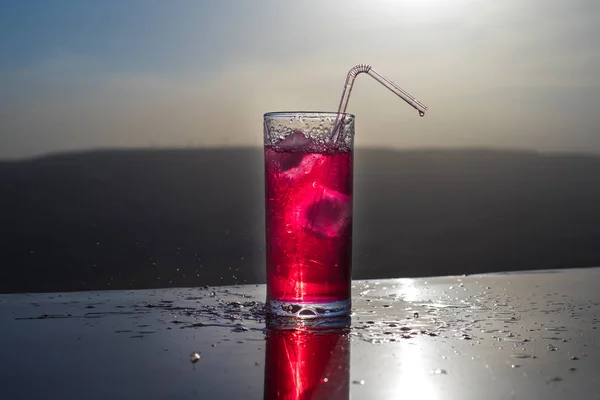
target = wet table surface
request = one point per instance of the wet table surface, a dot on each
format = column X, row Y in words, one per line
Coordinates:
column 528, row 335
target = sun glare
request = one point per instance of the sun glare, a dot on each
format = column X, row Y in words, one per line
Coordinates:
column 417, row 11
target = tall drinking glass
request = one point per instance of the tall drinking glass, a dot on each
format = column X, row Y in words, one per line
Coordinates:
column 308, row 179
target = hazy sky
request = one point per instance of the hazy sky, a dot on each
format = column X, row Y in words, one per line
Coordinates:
column 79, row 74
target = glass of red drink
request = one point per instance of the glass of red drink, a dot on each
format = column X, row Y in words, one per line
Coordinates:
column 308, row 179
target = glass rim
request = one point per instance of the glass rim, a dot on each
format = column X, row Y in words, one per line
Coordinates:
column 287, row 114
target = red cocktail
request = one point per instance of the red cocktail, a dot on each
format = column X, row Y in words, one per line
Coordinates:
column 308, row 213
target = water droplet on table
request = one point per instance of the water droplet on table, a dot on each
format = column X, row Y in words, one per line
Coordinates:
column 194, row 357
column 523, row 356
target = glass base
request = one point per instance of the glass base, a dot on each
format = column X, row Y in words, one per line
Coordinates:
column 308, row 310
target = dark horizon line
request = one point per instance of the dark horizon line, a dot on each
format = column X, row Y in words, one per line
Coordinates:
column 418, row 149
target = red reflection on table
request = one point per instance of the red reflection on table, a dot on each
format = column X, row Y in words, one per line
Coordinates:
column 304, row 362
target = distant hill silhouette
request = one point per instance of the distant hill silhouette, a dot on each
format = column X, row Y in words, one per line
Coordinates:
column 156, row 218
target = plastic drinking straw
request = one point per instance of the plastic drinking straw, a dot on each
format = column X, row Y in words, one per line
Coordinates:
column 397, row 90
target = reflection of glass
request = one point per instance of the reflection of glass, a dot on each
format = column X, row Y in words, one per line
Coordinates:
column 307, row 361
